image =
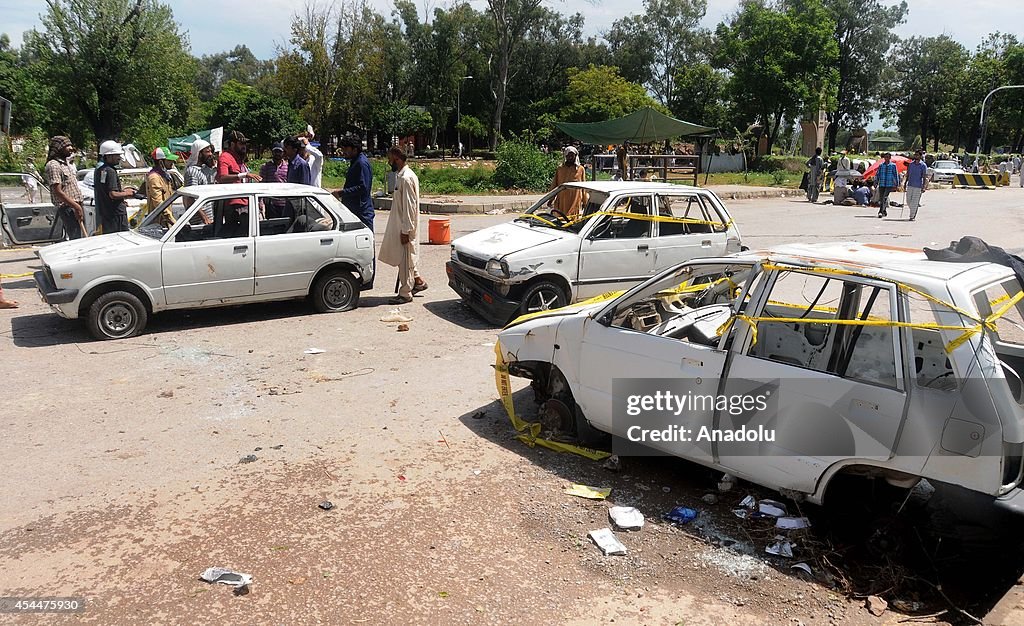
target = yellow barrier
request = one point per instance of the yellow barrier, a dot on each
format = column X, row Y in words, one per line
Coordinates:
column 976, row 181
column 22, row 275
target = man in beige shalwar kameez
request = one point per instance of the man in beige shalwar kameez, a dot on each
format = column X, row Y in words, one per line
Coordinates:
column 570, row 200
column 400, row 246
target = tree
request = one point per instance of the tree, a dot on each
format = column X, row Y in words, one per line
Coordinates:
column 471, row 127
column 698, row 96
column 511, row 20
column 598, row 93
column 864, row 36
column 111, row 61
column 781, row 60
column 919, row 86
column 19, row 83
column 261, row 118
column 401, row 120
column 656, row 44
column 238, row 64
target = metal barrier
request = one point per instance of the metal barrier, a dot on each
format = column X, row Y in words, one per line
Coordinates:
column 660, row 167
column 975, row 181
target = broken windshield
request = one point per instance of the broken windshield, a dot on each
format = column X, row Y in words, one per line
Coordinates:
column 545, row 213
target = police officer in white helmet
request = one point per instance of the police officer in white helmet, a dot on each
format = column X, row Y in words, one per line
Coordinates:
column 111, row 208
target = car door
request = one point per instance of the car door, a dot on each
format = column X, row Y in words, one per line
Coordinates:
column 210, row 262
column 615, row 252
column 839, row 389
column 675, row 242
column 296, row 236
column 30, row 223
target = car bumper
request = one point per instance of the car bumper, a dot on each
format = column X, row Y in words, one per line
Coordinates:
column 491, row 305
column 51, row 295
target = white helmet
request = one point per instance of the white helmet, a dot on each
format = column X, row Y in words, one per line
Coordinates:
column 110, row 147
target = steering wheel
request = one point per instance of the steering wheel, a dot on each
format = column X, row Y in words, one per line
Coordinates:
column 557, row 213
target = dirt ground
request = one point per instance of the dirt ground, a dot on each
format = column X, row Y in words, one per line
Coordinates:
column 124, row 476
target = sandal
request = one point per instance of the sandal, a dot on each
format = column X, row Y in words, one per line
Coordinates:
column 420, row 286
column 400, row 300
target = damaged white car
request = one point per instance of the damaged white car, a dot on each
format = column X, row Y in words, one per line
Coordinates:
column 855, row 358
column 235, row 244
column 625, row 233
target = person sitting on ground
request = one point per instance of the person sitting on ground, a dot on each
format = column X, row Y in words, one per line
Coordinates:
column 862, row 194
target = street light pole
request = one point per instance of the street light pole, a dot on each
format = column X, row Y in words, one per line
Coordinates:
column 981, row 122
column 458, row 112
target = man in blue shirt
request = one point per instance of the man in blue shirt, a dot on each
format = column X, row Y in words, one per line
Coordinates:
column 358, row 181
column 888, row 180
column 298, row 167
column 917, row 183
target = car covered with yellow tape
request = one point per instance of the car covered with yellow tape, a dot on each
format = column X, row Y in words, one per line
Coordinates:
column 611, row 235
column 882, row 363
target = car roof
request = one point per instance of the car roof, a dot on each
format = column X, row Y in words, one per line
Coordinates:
column 205, row 191
column 615, row 186
column 906, row 265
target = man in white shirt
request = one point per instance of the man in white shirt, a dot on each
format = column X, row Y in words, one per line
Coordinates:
column 313, row 156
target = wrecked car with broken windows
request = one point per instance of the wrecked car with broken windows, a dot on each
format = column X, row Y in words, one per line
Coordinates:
column 234, row 244
column 624, row 233
column 882, row 362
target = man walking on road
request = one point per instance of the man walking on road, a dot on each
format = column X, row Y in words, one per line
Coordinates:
column 400, row 246
column 358, row 181
column 817, row 164
column 64, row 191
column 888, row 180
column 917, row 183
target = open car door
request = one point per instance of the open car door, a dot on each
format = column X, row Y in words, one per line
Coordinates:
column 24, row 223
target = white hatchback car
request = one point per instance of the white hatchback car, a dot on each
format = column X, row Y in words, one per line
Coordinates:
column 234, row 244
column 627, row 232
column 872, row 361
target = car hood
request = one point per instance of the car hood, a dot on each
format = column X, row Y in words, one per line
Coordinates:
column 92, row 247
column 504, row 239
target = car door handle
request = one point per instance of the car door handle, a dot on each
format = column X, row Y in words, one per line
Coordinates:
column 326, row 242
column 643, row 247
column 241, row 249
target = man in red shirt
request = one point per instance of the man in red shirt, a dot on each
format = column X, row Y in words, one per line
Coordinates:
column 231, row 167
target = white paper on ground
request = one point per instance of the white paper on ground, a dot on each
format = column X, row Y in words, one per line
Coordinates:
column 225, row 576
column 626, row 517
column 314, row 351
column 792, row 523
column 605, row 539
column 772, row 507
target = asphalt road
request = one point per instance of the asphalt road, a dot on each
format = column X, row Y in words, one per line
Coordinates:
column 122, row 474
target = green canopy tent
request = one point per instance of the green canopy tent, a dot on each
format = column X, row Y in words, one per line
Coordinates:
column 646, row 125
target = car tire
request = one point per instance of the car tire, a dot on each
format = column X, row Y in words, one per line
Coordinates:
column 117, row 315
column 543, row 296
column 336, row 290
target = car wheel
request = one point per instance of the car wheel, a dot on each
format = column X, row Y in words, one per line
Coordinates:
column 543, row 296
column 117, row 315
column 336, row 290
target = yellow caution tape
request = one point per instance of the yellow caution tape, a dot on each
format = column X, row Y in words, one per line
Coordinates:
column 530, row 431
column 590, row 493
column 604, row 297
column 22, row 275
column 641, row 217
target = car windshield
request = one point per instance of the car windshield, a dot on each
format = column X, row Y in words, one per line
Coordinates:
column 947, row 165
column 158, row 220
column 545, row 214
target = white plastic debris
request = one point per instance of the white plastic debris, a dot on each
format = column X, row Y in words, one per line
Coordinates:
column 606, row 541
column 726, row 482
column 803, row 567
column 314, row 351
column 226, row 576
column 748, row 502
column 396, row 315
column 741, row 513
column 772, row 507
column 782, row 547
column 626, row 517
column 792, row 523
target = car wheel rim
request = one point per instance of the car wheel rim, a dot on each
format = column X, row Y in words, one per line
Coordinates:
column 117, row 319
column 337, row 293
column 543, row 300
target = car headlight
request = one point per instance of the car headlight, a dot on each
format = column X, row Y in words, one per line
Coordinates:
column 455, row 255
column 497, row 268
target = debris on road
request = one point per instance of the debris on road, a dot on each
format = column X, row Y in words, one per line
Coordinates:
column 626, row 517
column 681, row 515
column 803, row 567
column 612, row 463
column 876, row 606
column 326, row 505
column 226, row 576
column 773, row 508
column 314, row 351
column 403, row 328
column 167, row 394
column 247, row 459
column 792, row 523
column 710, row 498
column 780, row 547
column 726, row 482
column 606, row 541
column 590, row 493
column 749, row 502
column 396, row 315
